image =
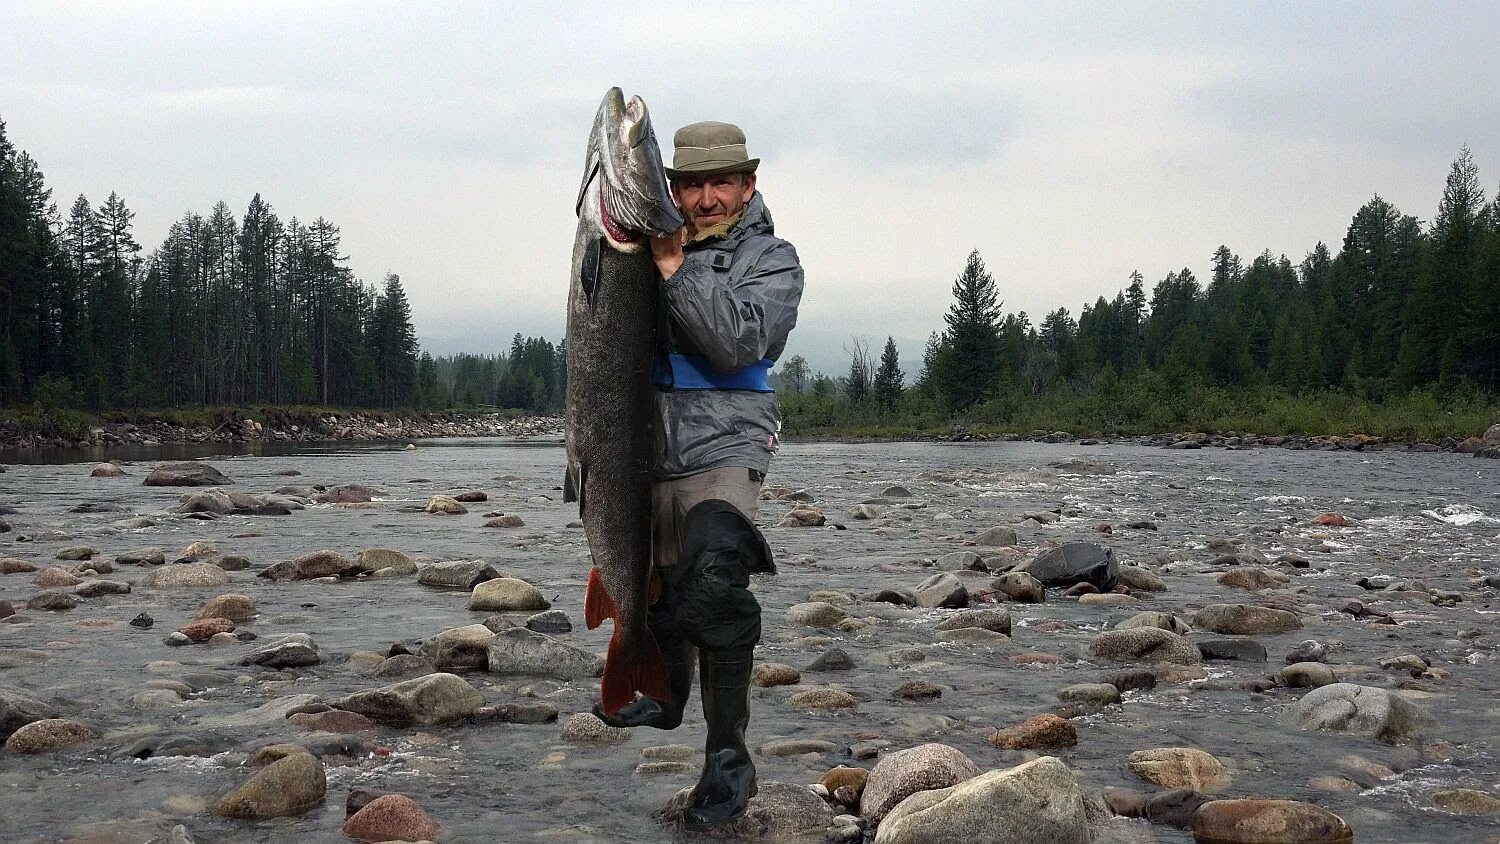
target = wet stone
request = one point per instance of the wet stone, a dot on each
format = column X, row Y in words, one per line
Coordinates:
column 1243, row 650
column 833, row 659
column 768, row 674
column 551, row 622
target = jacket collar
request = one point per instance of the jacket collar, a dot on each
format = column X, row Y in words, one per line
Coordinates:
column 754, row 219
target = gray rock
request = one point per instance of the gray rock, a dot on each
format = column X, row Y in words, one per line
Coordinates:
column 960, row 560
column 987, row 618
column 1076, row 562
column 814, row 614
column 95, row 588
column 1157, row 619
column 1251, row 820
column 1245, row 619
column 903, row 773
column 1039, row 801
column 53, row 601
column 1244, row 650
column 192, row 575
column 1145, row 644
column 271, row 712
column 433, row 699
column 778, row 812
column 460, row 647
column 1308, row 650
column 1094, row 694
column 295, row 651
column 47, row 735
column 18, row 709
column 586, row 728
column 376, row 559
column 550, row 622
column 289, row 786
column 505, row 594
column 1142, row 579
column 405, row 665
column 186, row 474
column 1360, row 710
column 77, row 552
column 833, row 659
column 997, row 537
column 1306, row 675
column 457, row 574
column 942, row 590
column 1020, row 587
column 526, row 652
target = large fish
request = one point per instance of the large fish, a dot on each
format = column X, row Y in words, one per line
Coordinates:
column 611, row 420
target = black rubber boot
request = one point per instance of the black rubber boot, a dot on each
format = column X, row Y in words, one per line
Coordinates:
column 679, row 656
column 728, row 780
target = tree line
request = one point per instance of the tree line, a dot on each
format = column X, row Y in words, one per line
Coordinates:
column 227, row 310
column 1401, row 307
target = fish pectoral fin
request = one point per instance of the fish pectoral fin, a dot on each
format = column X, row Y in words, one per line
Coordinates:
column 573, row 484
column 588, row 270
column 597, row 603
column 628, row 670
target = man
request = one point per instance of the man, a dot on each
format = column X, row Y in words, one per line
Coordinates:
column 730, row 290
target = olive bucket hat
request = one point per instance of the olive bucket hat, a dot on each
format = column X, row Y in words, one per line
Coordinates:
column 710, row 149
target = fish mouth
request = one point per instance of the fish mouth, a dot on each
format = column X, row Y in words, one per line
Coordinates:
column 613, row 230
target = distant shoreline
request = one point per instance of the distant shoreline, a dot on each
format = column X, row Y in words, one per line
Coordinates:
column 313, row 425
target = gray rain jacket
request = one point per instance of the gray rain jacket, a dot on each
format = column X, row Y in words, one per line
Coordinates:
column 734, row 301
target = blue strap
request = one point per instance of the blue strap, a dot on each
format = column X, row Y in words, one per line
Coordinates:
column 694, row 372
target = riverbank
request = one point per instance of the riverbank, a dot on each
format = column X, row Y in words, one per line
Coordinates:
column 310, row 424
column 278, row 425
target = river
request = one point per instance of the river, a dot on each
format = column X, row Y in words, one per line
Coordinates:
column 1428, row 517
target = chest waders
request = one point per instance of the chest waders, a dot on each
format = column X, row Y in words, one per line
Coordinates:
column 705, row 609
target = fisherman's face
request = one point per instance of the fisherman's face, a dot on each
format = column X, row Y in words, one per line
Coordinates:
column 709, row 200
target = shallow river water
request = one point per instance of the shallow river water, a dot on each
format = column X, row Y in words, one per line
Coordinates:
column 1428, row 517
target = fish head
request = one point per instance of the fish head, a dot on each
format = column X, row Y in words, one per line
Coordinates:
column 624, row 188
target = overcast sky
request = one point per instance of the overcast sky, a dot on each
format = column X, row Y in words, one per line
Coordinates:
column 1069, row 144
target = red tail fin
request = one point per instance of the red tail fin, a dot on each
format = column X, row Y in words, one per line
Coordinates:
column 627, row 671
column 597, row 604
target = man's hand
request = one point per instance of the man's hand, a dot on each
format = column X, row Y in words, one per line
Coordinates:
column 666, row 251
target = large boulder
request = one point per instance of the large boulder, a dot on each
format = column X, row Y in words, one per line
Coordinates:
column 1033, row 803
column 1361, row 710
column 232, row 606
column 988, row 618
column 504, row 594
column 527, row 652
column 295, row 651
column 1020, row 587
column 47, row 735
column 1179, row 767
column 1245, row 619
column 997, row 537
column 187, row 576
column 903, row 773
column 1155, row 618
column 289, row 786
column 1076, row 562
column 459, row 647
column 444, row 505
column 391, row 817
column 457, row 574
column 942, row 590
column 107, row 470
column 433, row 699
column 378, row 559
column 186, row 474
column 1492, row 436
column 814, row 614
column 1268, row 822
column 1145, row 644
column 325, row 563
column 18, row 709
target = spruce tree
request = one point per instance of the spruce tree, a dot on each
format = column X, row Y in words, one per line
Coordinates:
column 889, row 377
column 967, row 364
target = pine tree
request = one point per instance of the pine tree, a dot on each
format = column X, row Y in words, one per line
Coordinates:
column 966, row 365
column 857, row 385
column 889, row 379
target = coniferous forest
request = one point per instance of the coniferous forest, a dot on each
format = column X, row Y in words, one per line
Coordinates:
column 226, row 311
column 1396, row 331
